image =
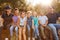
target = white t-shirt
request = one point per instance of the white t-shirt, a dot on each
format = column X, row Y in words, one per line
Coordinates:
column 22, row 20
column 42, row 19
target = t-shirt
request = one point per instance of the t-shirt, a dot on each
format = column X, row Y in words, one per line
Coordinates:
column 15, row 18
column 7, row 19
column 29, row 21
column 22, row 20
column 42, row 19
column 35, row 19
column 52, row 18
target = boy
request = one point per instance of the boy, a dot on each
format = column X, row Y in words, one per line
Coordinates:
column 43, row 21
column 29, row 24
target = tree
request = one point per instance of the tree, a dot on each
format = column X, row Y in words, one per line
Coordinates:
column 21, row 4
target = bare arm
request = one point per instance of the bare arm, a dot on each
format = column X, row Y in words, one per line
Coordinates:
column 25, row 24
column 46, row 22
column 39, row 22
column 18, row 22
column 58, row 18
column 12, row 21
column 32, row 24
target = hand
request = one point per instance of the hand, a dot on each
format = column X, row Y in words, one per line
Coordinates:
column 44, row 25
column 59, row 18
column 33, row 27
column 19, row 27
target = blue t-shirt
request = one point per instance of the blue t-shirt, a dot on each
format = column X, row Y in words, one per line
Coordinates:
column 35, row 19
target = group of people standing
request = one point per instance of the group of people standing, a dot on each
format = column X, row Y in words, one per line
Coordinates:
column 30, row 20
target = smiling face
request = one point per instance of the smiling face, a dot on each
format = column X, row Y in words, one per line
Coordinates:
column 23, row 14
column 8, row 11
column 29, row 13
column 16, row 12
column 42, row 13
column 51, row 10
column 35, row 14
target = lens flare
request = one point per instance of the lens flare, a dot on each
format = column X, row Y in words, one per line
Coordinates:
column 42, row 2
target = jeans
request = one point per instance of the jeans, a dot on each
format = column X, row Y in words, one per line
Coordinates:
column 28, row 27
column 36, row 31
column 53, row 28
column 11, row 30
column 30, row 32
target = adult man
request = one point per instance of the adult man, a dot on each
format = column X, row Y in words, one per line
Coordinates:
column 52, row 18
column 7, row 17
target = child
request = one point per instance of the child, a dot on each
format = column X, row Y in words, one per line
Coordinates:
column 15, row 23
column 35, row 24
column 1, row 25
column 43, row 21
column 22, row 28
column 29, row 24
column 1, row 21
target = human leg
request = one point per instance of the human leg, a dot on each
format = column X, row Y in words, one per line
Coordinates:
column 16, row 29
column 54, row 31
column 36, row 31
column 20, row 33
column 11, row 30
column 24, row 34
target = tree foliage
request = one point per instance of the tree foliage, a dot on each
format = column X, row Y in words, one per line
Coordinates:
column 21, row 4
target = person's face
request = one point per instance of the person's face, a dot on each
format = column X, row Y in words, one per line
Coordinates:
column 51, row 10
column 23, row 14
column 28, row 14
column 42, row 14
column 8, row 11
column 16, row 12
column 34, row 14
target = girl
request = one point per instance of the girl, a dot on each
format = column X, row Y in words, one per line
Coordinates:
column 22, row 28
column 35, row 24
column 15, row 23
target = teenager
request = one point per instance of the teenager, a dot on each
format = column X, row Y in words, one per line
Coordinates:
column 15, row 23
column 22, row 28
